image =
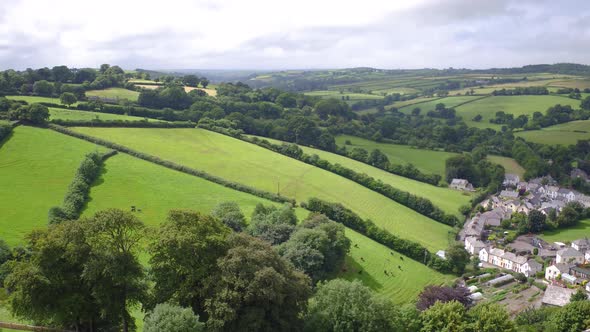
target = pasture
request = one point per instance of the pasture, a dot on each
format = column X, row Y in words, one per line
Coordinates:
column 114, row 93
column 448, row 200
column 427, row 161
column 510, row 165
column 209, row 90
column 251, row 165
column 516, row 105
column 36, row 168
column 339, row 95
column 449, row 102
column 68, row 114
column 562, row 134
column 580, row 231
column 37, row 99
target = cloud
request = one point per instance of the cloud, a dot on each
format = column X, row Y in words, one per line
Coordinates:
column 268, row 34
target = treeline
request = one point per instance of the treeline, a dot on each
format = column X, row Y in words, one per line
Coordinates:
column 5, row 131
column 338, row 213
column 79, row 189
column 529, row 90
column 174, row 166
column 381, row 103
column 123, row 123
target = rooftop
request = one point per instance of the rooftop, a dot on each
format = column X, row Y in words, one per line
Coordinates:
column 557, row 296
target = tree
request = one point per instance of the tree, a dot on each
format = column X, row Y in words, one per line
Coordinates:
column 378, row 158
column 568, row 216
column 580, row 295
column 43, row 88
column 536, row 221
column 585, row 103
column 490, row 317
column 172, row 318
column 445, row 317
column 286, row 99
column 68, row 98
column 61, row 73
column 341, row 305
column 256, row 289
column 184, row 254
column 572, row 317
column 458, row 258
column 432, row 294
column 114, row 269
column 272, row 224
column 477, row 118
column 231, row 215
column 33, row 114
column 5, row 252
column 191, row 80
column 204, row 82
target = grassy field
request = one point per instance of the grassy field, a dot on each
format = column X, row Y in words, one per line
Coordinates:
column 430, row 105
column 427, row 161
column 338, row 95
column 510, row 165
column 516, row 105
column 447, row 199
column 36, row 167
column 36, row 99
column 209, row 90
column 580, row 231
column 400, row 104
column 561, row 134
column 114, row 93
column 257, row 167
column 66, row 114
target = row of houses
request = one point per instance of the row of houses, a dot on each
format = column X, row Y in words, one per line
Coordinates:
column 502, row 258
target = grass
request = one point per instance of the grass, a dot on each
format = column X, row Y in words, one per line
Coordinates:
column 400, row 104
column 510, row 165
column 430, row 105
column 338, row 95
column 114, row 93
column 36, row 167
column 516, row 105
column 447, row 199
column 37, row 99
column 427, row 161
column 67, row 114
column 580, row 231
column 251, row 165
column 562, row 134
column 211, row 91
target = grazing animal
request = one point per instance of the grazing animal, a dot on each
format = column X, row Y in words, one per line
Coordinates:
column 399, row 267
column 360, row 271
column 362, row 259
column 400, row 257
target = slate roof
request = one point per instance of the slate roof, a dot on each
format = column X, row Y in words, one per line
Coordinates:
column 569, row 252
column 557, row 296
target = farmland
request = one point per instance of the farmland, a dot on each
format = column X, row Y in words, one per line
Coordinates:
column 516, row 105
column 114, row 93
column 448, row 102
column 339, row 95
column 580, row 231
column 561, row 134
column 447, row 199
column 510, row 165
column 38, row 164
column 68, row 114
column 210, row 90
column 260, row 168
column 36, row 99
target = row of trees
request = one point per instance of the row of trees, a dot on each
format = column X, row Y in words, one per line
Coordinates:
column 529, row 90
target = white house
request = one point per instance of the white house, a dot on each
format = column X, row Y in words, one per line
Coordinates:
column 509, row 194
column 530, row 268
column 569, row 255
column 511, row 179
column 484, row 255
column 587, row 257
column 581, row 245
column 461, row 184
column 473, row 245
column 556, row 270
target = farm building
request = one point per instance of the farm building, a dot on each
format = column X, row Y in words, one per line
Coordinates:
column 557, row 296
column 461, row 184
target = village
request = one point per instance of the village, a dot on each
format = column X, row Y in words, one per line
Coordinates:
column 556, row 270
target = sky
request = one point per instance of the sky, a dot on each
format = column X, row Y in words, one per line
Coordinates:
column 293, row 34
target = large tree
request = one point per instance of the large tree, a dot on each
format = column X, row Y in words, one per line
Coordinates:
column 273, row 224
column 256, row 289
column 445, row 317
column 433, row 294
column 490, row 317
column 458, row 258
column 171, row 318
column 231, row 215
column 32, row 114
column 68, row 98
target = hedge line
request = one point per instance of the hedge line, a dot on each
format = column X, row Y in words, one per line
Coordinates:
column 419, row 204
column 5, row 131
column 339, row 213
column 124, row 123
column 175, row 166
column 79, row 188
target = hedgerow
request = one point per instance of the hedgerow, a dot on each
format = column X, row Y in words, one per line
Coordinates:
column 123, row 123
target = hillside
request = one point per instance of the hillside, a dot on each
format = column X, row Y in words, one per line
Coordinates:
column 561, row 134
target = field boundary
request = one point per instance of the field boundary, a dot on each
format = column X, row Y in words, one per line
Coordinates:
column 24, row 327
column 177, row 167
column 472, row 100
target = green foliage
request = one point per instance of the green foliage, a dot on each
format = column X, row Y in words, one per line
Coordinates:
column 445, row 317
column 490, row 317
column 458, row 258
column 68, row 98
column 580, row 295
column 272, row 224
column 572, row 317
column 231, row 215
column 5, row 252
column 172, row 318
column 340, row 305
column 33, row 114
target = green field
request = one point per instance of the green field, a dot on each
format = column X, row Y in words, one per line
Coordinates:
column 447, row 199
column 114, row 93
column 67, row 114
column 430, row 105
column 580, row 231
column 36, row 99
column 427, row 161
column 36, row 167
column 516, row 105
column 338, row 95
column 249, row 164
column 562, row 134
column 510, row 165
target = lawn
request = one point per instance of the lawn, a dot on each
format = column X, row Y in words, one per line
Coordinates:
column 510, row 165
column 562, row 134
column 516, row 105
column 447, row 199
column 430, row 105
column 68, row 114
column 427, row 161
column 36, row 167
column 580, row 231
column 114, row 93
column 37, row 99
column 251, row 165
column 338, row 95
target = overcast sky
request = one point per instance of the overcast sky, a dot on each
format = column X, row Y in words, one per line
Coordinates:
column 288, row 34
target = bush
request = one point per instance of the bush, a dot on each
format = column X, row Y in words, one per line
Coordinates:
column 171, row 318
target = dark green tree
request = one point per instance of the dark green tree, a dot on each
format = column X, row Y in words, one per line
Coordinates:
column 68, row 98
column 231, row 215
column 172, row 318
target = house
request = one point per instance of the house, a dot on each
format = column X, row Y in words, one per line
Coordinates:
column 568, row 278
column 473, row 245
column 512, row 205
column 580, row 272
column 511, row 179
column 495, row 256
column 484, row 255
column 581, row 245
column 509, row 194
column 512, row 262
column 578, row 173
column 587, row 257
column 552, row 191
column 530, row 268
column 525, row 208
column 474, row 228
column 494, row 217
column 532, row 187
column 556, row 270
column 569, row 255
column 567, row 194
column 557, row 296
column 461, row 184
